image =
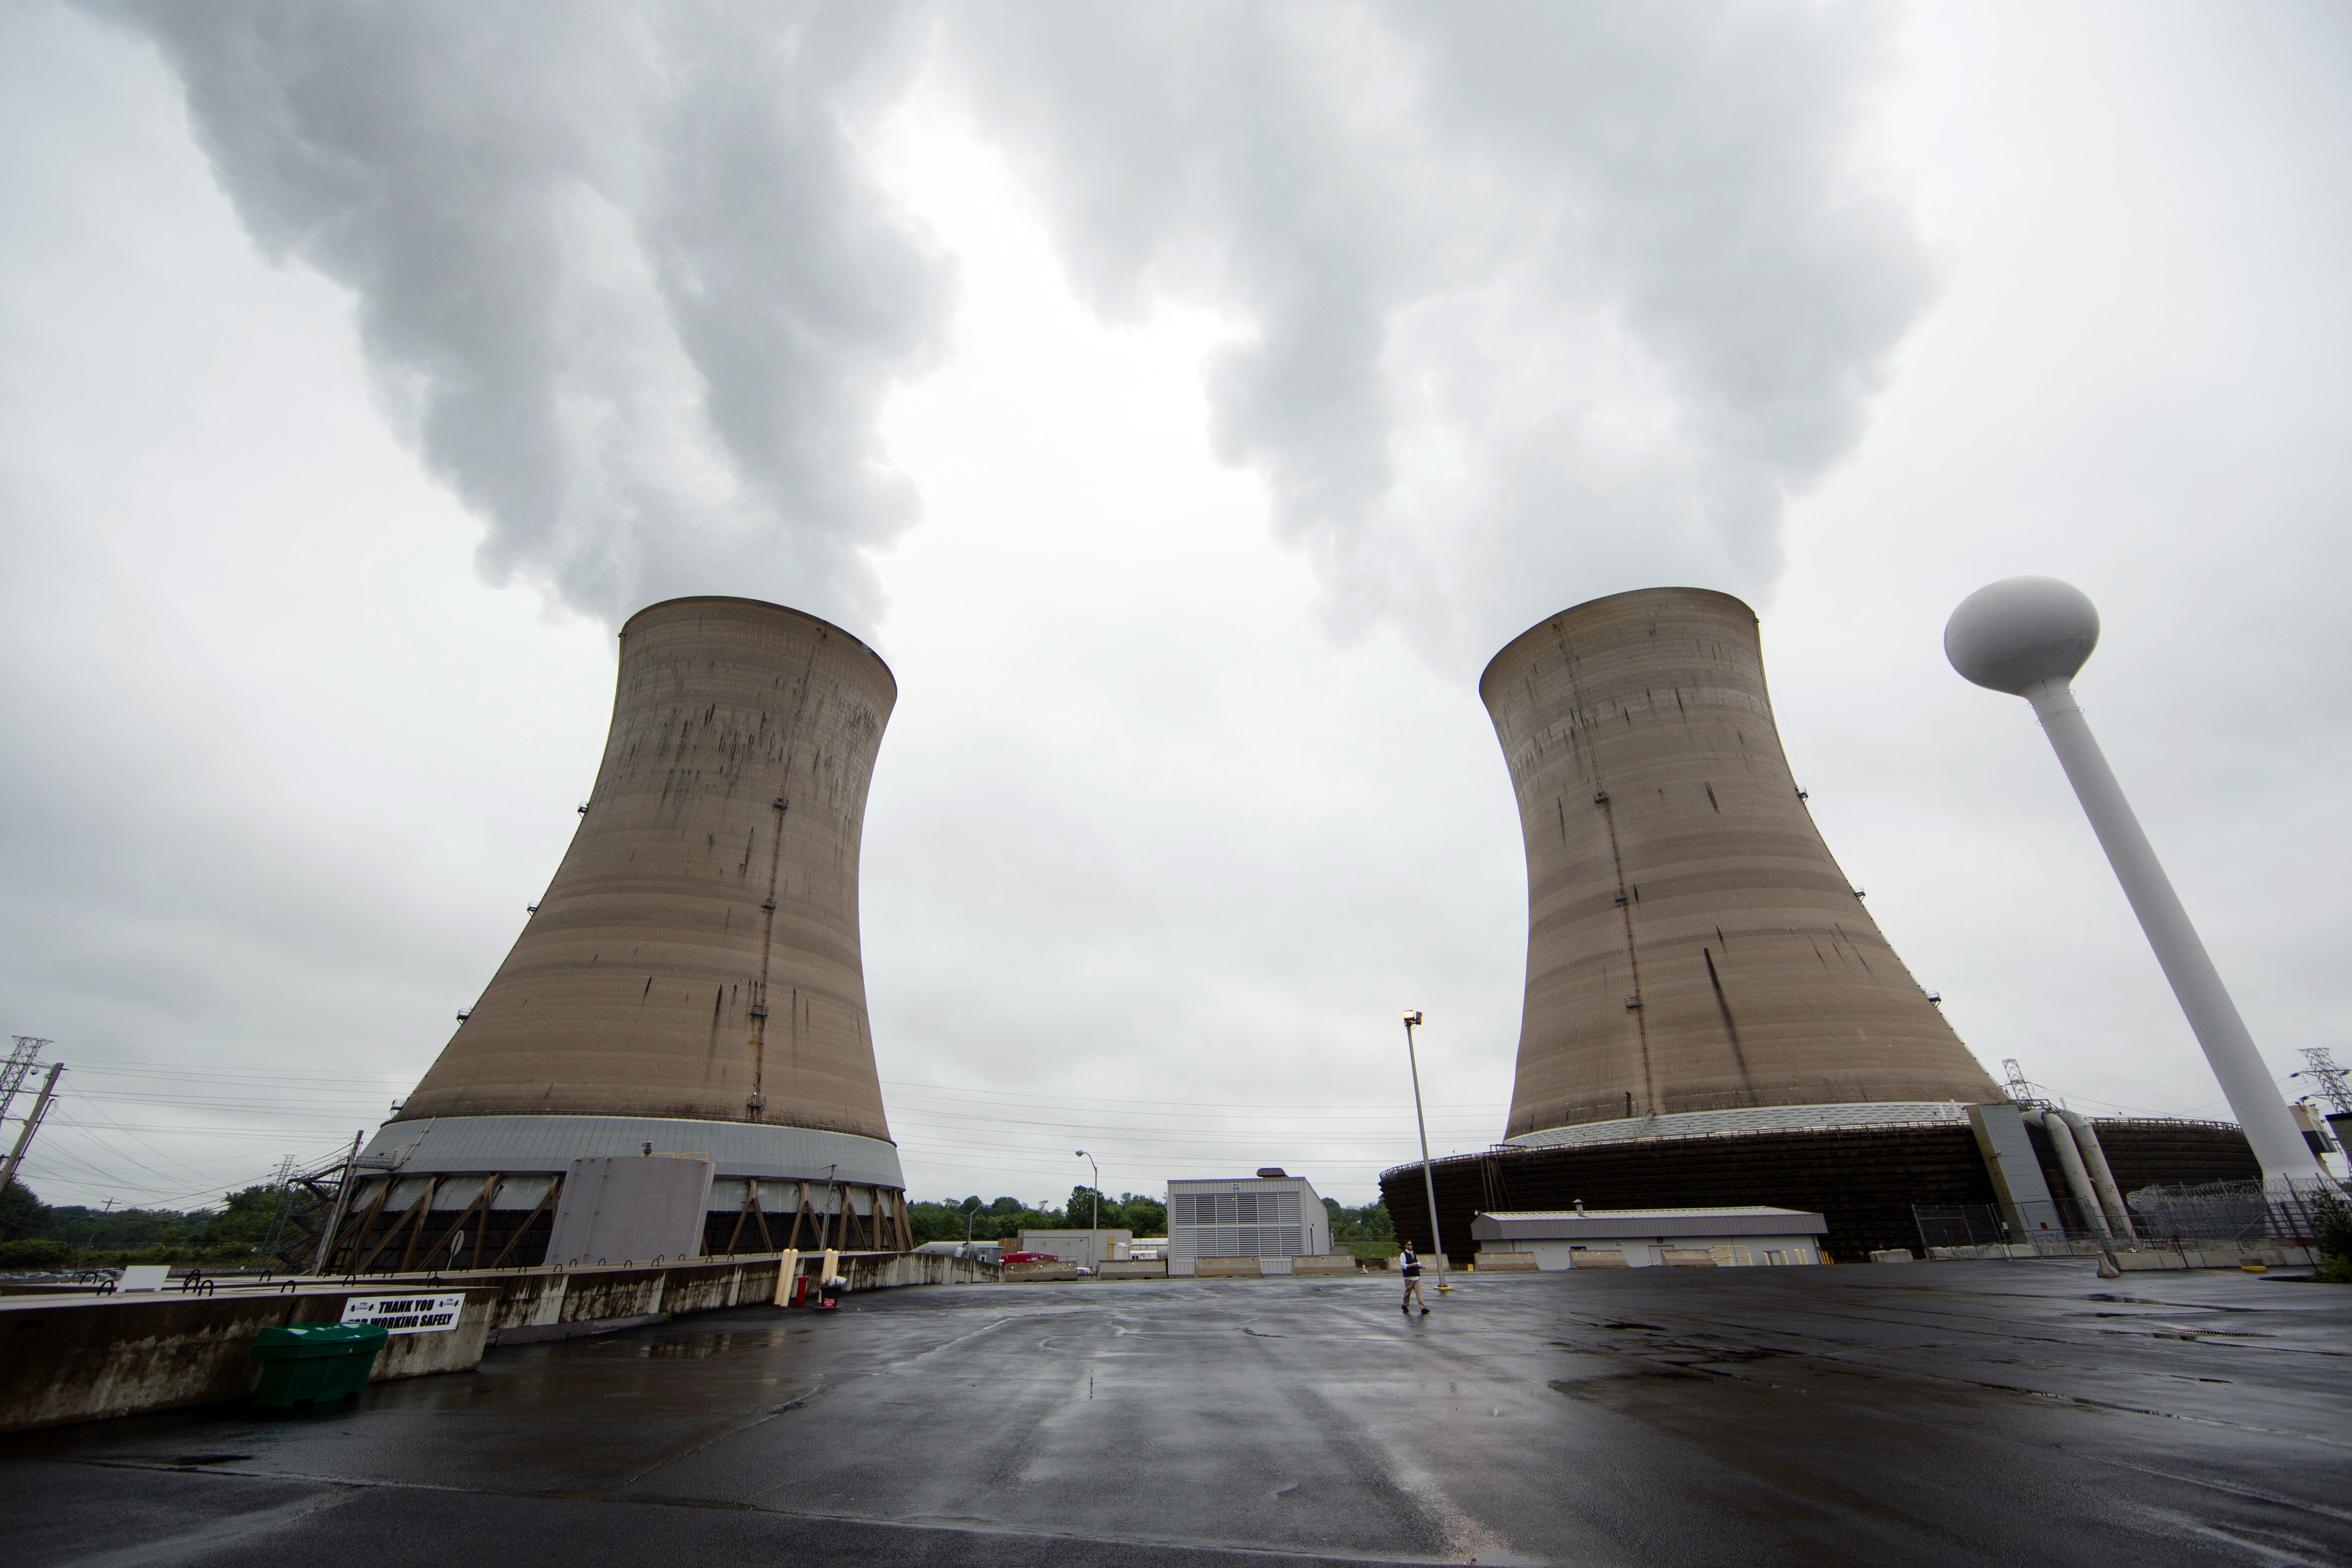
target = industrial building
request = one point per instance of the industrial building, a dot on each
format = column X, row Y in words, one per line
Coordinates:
column 1086, row 1248
column 1271, row 1217
column 1737, row 1238
column 1711, row 1017
column 690, row 984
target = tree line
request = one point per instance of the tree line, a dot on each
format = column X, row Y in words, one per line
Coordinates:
column 35, row 1235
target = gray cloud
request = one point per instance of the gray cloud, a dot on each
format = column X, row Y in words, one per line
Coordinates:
column 626, row 273
column 1494, row 230
column 1533, row 304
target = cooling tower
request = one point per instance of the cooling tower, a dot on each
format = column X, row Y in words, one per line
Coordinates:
column 1712, row 1017
column 1696, row 962
column 690, row 983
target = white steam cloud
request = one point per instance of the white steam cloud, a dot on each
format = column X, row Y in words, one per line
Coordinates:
column 1540, row 302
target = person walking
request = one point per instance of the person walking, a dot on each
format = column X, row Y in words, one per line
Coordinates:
column 1409, row 1265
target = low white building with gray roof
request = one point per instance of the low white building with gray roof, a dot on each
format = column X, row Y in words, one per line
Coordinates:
column 1579, row 1237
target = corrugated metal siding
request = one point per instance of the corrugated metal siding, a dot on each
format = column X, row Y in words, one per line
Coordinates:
column 1256, row 1217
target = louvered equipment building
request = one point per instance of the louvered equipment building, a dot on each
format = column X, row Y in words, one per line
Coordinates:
column 1274, row 1219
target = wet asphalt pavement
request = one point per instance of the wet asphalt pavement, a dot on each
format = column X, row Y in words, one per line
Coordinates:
column 1939, row 1413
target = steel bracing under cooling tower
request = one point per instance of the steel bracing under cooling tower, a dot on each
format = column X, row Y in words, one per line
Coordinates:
column 1694, row 952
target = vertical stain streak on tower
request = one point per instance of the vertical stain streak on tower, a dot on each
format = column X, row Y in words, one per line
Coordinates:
column 1681, row 858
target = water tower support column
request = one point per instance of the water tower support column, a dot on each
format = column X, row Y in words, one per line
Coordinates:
column 2244, row 1078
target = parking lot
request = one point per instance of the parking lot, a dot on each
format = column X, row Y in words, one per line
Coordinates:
column 1935, row 1413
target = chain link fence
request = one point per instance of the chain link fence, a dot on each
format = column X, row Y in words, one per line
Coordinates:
column 2245, row 1215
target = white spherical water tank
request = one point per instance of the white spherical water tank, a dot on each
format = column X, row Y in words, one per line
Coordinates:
column 2020, row 631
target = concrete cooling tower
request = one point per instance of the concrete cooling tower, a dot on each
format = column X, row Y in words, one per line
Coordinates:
column 1712, row 1017
column 1692, row 948
column 690, row 983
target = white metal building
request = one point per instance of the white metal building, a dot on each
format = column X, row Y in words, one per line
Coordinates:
column 1642, row 1238
column 1086, row 1248
column 1271, row 1218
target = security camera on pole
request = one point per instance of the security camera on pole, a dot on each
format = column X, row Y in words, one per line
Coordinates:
column 1428, row 1185
column 2028, row 636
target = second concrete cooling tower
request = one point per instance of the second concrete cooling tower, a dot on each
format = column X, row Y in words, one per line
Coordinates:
column 690, row 983
column 1692, row 948
column 1712, row 1017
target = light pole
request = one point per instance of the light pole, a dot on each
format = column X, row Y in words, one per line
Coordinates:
column 1428, row 1183
column 970, row 1209
column 1095, row 1200
column 2028, row 636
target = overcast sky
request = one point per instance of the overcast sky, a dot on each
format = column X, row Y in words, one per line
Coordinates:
column 1187, row 402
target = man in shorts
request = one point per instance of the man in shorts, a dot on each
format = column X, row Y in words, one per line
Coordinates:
column 1409, row 1265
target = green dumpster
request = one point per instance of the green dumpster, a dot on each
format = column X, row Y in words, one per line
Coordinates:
column 314, row 1362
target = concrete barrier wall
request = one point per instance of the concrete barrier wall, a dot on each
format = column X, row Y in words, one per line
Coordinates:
column 1341, row 1264
column 894, row 1271
column 1226, row 1268
column 82, row 1361
column 1134, row 1269
column 1509, row 1263
column 2133, row 1260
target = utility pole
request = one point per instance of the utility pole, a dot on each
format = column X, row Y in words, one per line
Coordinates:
column 1096, row 1191
column 32, row 1123
column 343, row 1205
column 1428, row 1182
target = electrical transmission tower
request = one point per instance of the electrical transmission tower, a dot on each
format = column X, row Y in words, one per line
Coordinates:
column 283, row 1184
column 2020, row 1090
column 2334, row 1082
column 13, row 1071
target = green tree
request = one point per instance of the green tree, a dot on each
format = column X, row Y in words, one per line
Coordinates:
column 1365, row 1232
column 111, row 1228
column 250, row 1213
column 31, row 1252
column 2333, row 1218
column 21, row 1214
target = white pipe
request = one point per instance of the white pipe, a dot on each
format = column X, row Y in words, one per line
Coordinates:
column 2244, row 1078
column 2111, row 1196
column 2070, row 1160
